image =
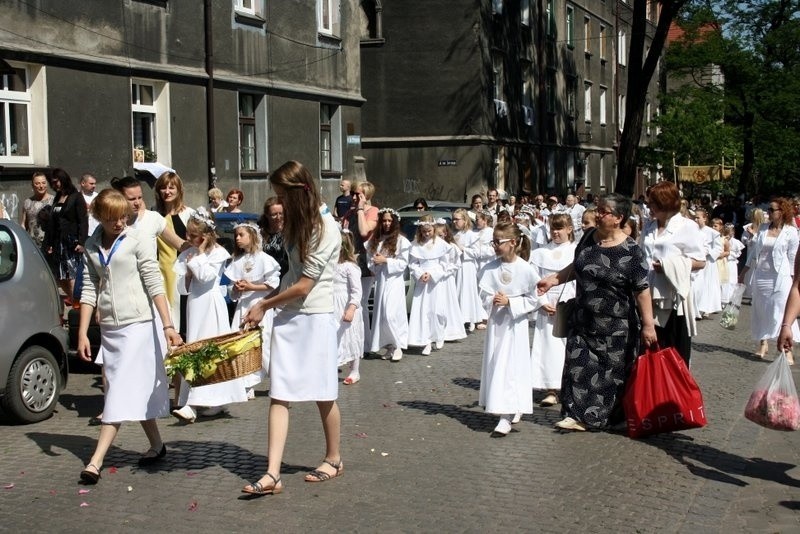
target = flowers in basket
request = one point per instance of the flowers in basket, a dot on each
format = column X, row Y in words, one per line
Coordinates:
column 775, row 410
column 200, row 361
column 729, row 317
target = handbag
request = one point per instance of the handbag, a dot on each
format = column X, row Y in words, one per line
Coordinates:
column 564, row 311
column 773, row 403
column 661, row 395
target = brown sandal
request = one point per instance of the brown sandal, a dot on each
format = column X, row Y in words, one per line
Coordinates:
column 257, row 489
column 321, row 476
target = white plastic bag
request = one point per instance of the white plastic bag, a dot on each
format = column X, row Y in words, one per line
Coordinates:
column 730, row 315
column 773, row 403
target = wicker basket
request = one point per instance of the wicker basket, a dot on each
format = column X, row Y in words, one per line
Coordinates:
column 237, row 365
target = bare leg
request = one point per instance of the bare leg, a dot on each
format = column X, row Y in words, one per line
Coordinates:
column 277, row 430
column 150, row 428
column 331, row 426
column 108, row 431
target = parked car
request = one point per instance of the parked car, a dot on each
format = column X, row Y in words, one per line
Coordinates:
column 436, row 205
column 33, row 358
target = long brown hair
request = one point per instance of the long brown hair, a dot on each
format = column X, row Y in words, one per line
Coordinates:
column 389, row 238
column 301, row 203
column 169, row 178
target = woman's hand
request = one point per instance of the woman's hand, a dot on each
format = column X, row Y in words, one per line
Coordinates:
column 500, row 299
column 649, row 335
column 425, row 278
column 84, row 348
column 550, row 309
column 174, row 339
column 544, row 285
column 349, row 313
column 785, row 338
column 255, row 314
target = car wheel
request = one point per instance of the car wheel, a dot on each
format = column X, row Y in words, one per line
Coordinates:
column 33, row 386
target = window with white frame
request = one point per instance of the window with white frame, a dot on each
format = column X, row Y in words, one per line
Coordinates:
column 498, row 72
column 647, row 118
column 621, row 112
column 252, row 133
column 149, row 101
column 15, row 117
column 330, row 140
column 248, row 7
column 550, row 15
column 525, row 12
column 587, row 101
column 602, row 106
column 572, row 96
column 587, row 35
column 570, row 26
column 622, row 48
column 601, row 37
column 328, row 17
column 602, row 175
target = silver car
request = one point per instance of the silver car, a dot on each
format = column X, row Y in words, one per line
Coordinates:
column 33, row 349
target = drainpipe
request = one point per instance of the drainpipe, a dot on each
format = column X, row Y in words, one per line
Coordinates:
column 210, row 145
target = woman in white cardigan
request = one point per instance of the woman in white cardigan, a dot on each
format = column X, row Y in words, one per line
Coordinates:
column 771, row 257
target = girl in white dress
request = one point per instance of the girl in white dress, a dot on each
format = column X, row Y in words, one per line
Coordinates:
column 735, row 249
column 548, row 351
column 448, row 294
column 508, row 287
column 254, row 274
column 387, row 258
column 120, row 278
column 346, row 302
column 468, row 240
column 304, row 350
column 199, row 270
column 706, row 286
column 771, row 258
column 427, row 264
column 722, row 261
column 484, row 251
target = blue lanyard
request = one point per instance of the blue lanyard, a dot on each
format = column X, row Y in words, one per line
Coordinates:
column 103, row 261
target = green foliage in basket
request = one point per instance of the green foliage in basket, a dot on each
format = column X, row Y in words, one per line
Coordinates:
column 200, row 363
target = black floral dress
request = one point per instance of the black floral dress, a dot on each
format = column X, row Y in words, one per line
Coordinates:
column 605, row 331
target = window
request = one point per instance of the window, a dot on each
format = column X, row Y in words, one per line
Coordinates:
column 622, row 48
column 9, row 256
column 330, row 141
column 587, row 35
column 498, row 74
column 550, row 19
column 15, row 117
column 603, row 106
column 602, row 178
column 587, row 101
column 601, row 37
column 247, row 132
column 328, row 17
column 149, row 100
column 570, row 27
column 647, row 118
column 621, row 112
column 497, row 7
column 245, row 6
column 551, row 90
column 551, row 169
column 572, row 96
column 525, row 12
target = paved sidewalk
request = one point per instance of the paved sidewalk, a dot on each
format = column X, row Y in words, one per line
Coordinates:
column 418, row 457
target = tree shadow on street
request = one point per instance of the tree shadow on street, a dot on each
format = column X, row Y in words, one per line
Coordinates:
column 182, row 455
column 717, row 465
column 467, row 382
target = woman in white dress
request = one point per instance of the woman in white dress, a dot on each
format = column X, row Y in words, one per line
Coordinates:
column 508, row 289
column 448, row 294
column 547, row 351
column 387, row 258
column 254, row 274
column 199, row 270
column 120, row 278
column 706, row 286
column 771, row 258
column 427, row 264
column 346, row 302
column 749, row 233
column 468, row 240
column 303, row 366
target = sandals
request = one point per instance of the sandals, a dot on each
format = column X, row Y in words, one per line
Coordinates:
column 90, row 477
column 352, row 379
column 257, row 489
column 321, row 476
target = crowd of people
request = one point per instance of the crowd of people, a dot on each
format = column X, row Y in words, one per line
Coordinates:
column 638, row 273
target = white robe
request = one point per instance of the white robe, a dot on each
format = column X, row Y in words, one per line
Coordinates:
column 706, row 286
column 448, row 297
column 548, row 351
column 259, row 268
column 426, row 321
column 389, row 318
column 347, row 291
column 206, row 316
column 506, row 368
column 472, row 310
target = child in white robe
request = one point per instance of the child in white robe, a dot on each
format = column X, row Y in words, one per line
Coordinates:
column 508, row 289
column 468, row 242
column 254, row 274
column 346, row 302
column 448, row 295
column 387, row 258
column 427, row 264
column 705, row 284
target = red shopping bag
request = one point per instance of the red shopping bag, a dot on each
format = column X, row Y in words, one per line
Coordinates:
column 661, row 395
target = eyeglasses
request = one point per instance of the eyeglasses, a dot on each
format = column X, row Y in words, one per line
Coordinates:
column 771, row 209
column 603, row 213
column 498, row 242
column 457, row 219
column 276, row 215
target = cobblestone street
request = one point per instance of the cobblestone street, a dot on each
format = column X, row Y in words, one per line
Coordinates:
column 418, row 458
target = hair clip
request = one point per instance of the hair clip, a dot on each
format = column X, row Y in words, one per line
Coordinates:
column 247, row 224
column 345, row 231
column 390, row 211
column 202, row 215
column 440, row 220
column 423, row 223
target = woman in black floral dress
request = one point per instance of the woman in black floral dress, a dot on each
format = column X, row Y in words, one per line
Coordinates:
column 605, row 331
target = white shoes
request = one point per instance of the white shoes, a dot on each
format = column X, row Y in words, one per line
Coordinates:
column 502, row 429
column 251, row 393
column 397, row 354
column 426, row 350
column 549, row 400
column 517, row 418
column 439, row 345
column 470, row 327
column 211, row 411
column 568, row 423
column 186, row 414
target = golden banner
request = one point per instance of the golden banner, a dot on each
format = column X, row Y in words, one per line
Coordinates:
column 700, row 174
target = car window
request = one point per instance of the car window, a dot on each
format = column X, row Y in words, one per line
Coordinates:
column 8, row 254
